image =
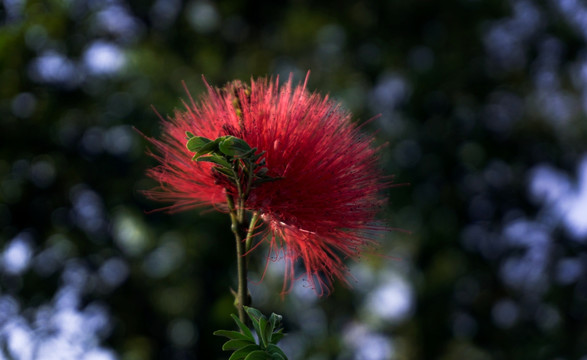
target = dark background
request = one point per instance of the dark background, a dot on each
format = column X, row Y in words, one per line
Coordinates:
column 483, row 106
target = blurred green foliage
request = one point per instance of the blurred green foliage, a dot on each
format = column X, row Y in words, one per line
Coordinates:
column 475, row 98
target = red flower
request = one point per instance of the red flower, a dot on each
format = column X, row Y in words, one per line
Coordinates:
column 321, row 210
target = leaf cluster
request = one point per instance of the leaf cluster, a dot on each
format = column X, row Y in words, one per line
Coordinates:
column 243, row 343
column 232, row 157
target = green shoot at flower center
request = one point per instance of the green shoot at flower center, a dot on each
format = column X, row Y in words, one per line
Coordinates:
column 233, row 158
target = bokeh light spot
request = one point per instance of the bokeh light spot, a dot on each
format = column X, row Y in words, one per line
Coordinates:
column 203, row 16
column 17, row 254
column 24, row 105
column 103, row 58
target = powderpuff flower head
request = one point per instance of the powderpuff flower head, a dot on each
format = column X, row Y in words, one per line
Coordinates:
column 319, row 210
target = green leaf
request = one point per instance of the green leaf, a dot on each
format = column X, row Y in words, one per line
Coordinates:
column 226, row 172
column 216, row 159
column 206, row 148
column 256, row 157
column 264, row 335
column 248, row 154
column 255, row 316
column 261, row 172
column 234, row 335
column 274, row 322
column 274, row 349
column 244, row 329
column 276, row 356
column 235, row 344
column 276, row 336
column 258, row 355
column 195, row 143
column 253, row 313
column 243, row 352
column 275, row 319
column 257, row 327
column 233, row 146
column 189, row 135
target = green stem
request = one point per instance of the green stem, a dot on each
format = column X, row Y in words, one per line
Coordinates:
column 243, row 237
column 251, row 230
column 236, row 227
column 242, row 194
column 237, row 222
